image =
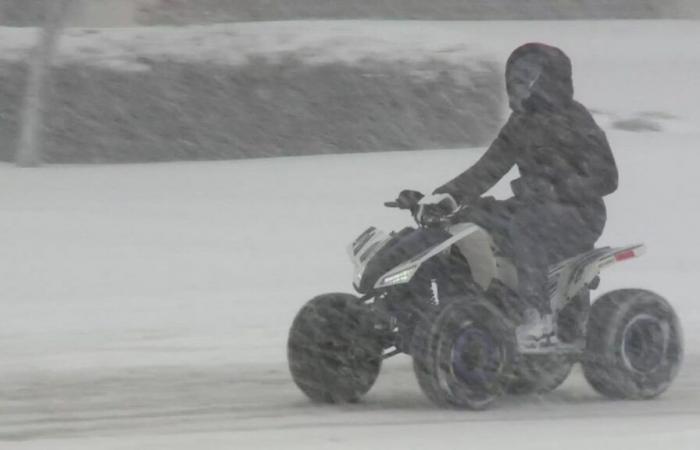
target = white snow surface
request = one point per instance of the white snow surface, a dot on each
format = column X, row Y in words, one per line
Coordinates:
column 147, row 306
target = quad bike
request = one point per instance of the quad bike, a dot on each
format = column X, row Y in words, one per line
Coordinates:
column 445, row 294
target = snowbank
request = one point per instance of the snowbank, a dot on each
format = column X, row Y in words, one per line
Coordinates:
column 290, row 88
column 235, row 91
column 234, row 44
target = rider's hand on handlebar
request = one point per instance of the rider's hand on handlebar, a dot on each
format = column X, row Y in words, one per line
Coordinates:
column 407, row 199
column 434, row 208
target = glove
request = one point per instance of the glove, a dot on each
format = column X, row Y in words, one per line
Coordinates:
column 435, row 207
column 409, row 199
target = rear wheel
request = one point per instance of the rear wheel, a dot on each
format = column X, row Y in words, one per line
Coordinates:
column 461, row 357
column 333, row 353
column 634, row 347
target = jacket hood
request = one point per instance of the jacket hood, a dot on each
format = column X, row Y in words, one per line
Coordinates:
column 554, row 87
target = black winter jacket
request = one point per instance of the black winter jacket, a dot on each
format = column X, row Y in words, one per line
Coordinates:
column 561, row 152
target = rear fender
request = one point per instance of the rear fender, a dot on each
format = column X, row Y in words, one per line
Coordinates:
column 570, row 277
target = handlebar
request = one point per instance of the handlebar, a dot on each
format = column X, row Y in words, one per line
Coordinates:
column 429, row 215
column 407, row 199
column 432, row 215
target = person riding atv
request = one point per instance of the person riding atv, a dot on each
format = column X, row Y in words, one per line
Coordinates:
column 566, row 168
column 453, row 292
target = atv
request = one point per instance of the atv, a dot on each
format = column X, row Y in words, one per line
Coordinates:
column 445, row 293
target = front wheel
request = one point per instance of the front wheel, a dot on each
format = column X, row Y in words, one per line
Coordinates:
column 634, row 346
column 333, row 352
column 461, row 357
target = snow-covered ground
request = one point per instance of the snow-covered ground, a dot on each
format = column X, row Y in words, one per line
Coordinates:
column 147, row 306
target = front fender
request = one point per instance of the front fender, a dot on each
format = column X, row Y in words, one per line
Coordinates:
column 400, row 247
column 404, row 272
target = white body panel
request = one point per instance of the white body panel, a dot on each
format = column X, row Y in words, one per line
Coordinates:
column 478, row 249
column 412, row 265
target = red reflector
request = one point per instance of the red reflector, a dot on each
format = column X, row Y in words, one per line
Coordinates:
column 622, row 256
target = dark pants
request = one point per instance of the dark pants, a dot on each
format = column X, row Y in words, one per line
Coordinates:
column 538, row 235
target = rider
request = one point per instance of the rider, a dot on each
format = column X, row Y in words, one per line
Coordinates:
column 566, row 168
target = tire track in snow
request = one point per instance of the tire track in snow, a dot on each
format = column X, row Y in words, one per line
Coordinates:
column 169, row 400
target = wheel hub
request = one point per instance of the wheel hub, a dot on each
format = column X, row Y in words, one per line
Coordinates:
column 475, row 357
column 644, row 343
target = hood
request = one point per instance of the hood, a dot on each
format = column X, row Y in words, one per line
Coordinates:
column 553, row 88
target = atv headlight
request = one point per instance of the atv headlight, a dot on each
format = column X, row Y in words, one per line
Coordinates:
column 395, row 278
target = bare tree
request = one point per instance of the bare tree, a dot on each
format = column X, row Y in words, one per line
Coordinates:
column 29, row 150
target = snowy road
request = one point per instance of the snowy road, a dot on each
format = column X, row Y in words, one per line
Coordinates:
column 258, row 405
column 154, row 325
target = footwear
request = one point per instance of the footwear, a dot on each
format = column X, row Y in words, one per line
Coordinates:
column 537, row 331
